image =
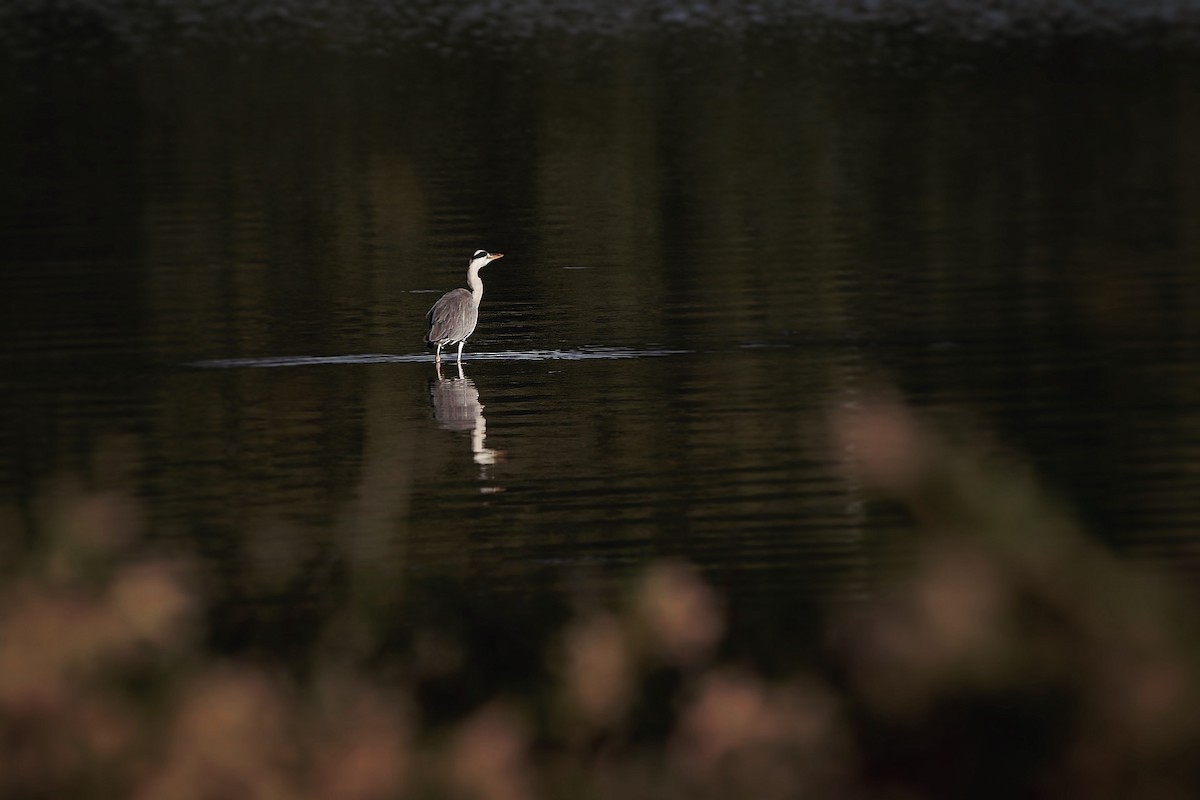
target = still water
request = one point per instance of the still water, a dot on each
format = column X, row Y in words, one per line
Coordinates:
column 216, row 268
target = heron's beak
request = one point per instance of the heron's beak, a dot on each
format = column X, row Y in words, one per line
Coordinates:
column 494, row 256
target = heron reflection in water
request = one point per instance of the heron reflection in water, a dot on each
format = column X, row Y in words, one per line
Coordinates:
column 456, row 407
column 453, row 317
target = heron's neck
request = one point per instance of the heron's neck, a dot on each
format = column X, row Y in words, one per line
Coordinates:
column 476, row 284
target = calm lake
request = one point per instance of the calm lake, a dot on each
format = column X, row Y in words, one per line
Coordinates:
column 215, row 271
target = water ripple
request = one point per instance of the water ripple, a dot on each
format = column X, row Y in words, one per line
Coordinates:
column 576, row 354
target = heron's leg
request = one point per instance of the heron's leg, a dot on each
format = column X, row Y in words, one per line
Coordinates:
column 437, row 358
column 460, row 344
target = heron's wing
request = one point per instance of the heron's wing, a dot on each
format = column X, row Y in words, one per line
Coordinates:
column 451, row 318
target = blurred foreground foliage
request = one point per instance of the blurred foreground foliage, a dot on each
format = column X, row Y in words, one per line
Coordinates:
column 1009, row 657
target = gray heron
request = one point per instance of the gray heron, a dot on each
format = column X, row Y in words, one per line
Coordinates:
column 452, row 319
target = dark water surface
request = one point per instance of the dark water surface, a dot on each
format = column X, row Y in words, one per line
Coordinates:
column 215, row 272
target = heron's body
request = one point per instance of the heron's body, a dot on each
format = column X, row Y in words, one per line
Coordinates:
column 453, row 318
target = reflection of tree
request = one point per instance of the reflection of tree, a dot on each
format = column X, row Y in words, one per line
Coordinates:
column 277, row 232
column 289, row 482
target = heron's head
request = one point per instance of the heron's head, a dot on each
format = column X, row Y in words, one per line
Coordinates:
column 483, row 257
